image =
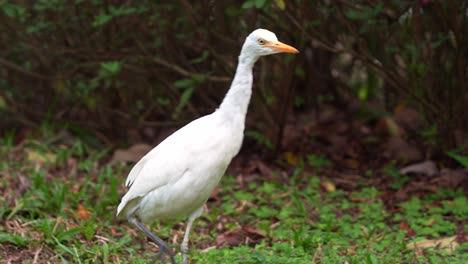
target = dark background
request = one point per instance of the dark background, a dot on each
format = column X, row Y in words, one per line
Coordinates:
column 119, row 72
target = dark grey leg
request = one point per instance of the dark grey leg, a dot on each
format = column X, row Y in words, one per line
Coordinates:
column 163, row 247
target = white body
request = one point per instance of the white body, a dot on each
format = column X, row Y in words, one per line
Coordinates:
column 187, row 165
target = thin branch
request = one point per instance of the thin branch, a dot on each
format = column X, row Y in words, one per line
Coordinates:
column 180, row 70
column 17, row 68
column 185, row 73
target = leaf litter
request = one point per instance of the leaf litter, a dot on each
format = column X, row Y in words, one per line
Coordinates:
column 342, row 157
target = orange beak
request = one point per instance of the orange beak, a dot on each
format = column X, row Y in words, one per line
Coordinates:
column 281, row 47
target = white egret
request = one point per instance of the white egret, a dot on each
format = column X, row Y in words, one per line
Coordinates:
column 176, row 178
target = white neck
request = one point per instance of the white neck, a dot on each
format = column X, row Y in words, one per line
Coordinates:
column 237, row 99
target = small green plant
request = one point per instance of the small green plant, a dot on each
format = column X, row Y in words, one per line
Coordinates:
column 260, row 138
column 394, row 172
column 71, row 216
column 462, row 159
column 318, row 161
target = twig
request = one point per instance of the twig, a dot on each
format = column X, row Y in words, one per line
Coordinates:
column 185, row 73
column 17, row 68
column 180, row 70
column 36, row 254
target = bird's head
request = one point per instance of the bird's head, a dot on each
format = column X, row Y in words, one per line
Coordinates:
column 262, row 42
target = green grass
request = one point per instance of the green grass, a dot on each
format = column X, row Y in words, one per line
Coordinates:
column 301, row 222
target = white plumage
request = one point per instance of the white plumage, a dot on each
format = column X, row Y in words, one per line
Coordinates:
column 176, row 178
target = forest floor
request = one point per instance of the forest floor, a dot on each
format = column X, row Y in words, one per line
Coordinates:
column 343, row 190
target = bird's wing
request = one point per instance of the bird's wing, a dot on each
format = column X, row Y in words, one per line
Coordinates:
column 168, row 161
column 135, row 172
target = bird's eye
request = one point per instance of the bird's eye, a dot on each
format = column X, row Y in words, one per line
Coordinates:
column 261, row 41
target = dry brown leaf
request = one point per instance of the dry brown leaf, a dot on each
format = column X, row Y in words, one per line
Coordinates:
column 404, row 226
column 214, row 193
column 82, row 213
column 338, row 141
column 400, row 150
column 448, row 244
column 407, row 117
column 207, row 249
column 431, row 222
column 351, row 163
column 451, row 178
column 291, row 158
column 230, row 238
column 388, row 126
column 40, row 157
column 245, row 235
column 252, row 231
column 328, row 186
column 290, row 135
column 264, row 169
column 132, row 154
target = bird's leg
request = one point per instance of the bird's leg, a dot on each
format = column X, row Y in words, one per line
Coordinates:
column 184, row 246
column 163, row 247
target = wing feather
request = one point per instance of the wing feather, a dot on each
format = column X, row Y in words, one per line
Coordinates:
column 167, row 162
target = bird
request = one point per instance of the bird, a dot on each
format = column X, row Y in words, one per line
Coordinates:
column 176, row 178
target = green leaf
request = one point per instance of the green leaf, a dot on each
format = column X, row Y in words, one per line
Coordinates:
column 259, row 3
column 184, row 98
column 198, row 78
column 112, row 67
column 280, row 4
column 184, row 83
column 260, row 138
column 202, row 57
column 248, row 4
column 14, row 11
column 39, row 26
column 365, row 13
column 13, row 239
column 3, row 104
column 101, row 19
column 463, row 160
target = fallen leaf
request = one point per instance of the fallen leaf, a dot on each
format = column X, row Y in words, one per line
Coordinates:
column 280, row 4
column 290, row 134
column 207, row 249
column 132, row 154
column 388, row 126
column 230, row 238
column 263, row 168
column 400, row 150
column 338, row 141
column 82, row 213
column 351, row 163
column 291, row 158
column 214, row 193
column 40, row 157
column 347, row 181
column 427, row 167
column 328, row 186
column 245, row 235
column 448, row 244
column 409, row 232
column 451, row 178
column 252, row 231
column 462, row 236
column 407, row 117
column 431, row 222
